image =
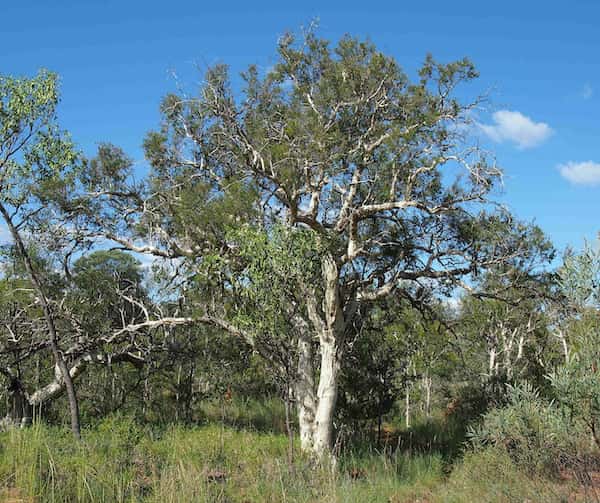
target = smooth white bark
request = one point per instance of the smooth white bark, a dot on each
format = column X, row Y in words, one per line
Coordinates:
column 327, row 397
column 305, row 393
column 316, row 407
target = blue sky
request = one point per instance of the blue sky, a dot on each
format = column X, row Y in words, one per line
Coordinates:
column 539, row 60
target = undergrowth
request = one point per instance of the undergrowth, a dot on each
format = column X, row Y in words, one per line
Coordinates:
column 121, row 461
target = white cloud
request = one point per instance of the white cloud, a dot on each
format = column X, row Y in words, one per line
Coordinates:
column 587, row 92
column 517, row 128
column 581, row 173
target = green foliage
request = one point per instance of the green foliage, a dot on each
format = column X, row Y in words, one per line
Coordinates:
column 373, row 370
column 577, row 388
column 278, row 265
column 471, row 400
column 576, row 384
column 579, row 277
column 491, row 475
column 122, row 462
column 244, row 412
column 532, row 431
column 333, row 158
column 285, row 151
column 108, row 170
column 106, row 287
column 395, row 346
column 36, row 156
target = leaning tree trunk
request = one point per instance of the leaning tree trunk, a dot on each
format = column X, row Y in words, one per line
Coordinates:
column 53, row 336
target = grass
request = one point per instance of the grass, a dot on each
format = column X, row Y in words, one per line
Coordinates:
column 120, row 461
column 267, row 415
column 490, row 476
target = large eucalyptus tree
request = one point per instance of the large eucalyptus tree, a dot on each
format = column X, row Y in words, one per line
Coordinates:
column 378, row 173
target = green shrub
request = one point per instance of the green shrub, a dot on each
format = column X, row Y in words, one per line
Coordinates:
column 576, row 386
column 532, row 431
column 490, row 475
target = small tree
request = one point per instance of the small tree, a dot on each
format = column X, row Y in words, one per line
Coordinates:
column 577, row 382
column 35, row 158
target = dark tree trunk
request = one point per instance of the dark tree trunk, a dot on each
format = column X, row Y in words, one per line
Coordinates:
column 20, row 411
column 53, row 336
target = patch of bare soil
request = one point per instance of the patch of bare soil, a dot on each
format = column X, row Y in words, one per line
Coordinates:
column 585, row 485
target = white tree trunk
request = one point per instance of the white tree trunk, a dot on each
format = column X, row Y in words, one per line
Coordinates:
column 316, row 407
column 407, row 406
column 327, row 398
column 521, row 347
column 563, row 342
column 492, row 362
column 427, row 384
column 305, row 393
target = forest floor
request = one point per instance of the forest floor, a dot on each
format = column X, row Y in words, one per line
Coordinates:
column 119, row 461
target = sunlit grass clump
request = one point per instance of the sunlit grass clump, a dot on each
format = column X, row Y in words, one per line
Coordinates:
column 121, row 461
